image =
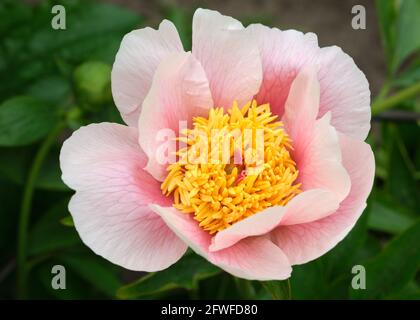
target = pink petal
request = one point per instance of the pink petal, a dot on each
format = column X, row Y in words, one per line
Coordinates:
column 257, row 224
column 283, row 54
column 345, row 92
column 252, row 258
column 307, row 241
column 302, row 107
column 315, row 142
column 229, row 57
column 344, row 88
column 307, row 206
column 179, row 91
column 103, row 163
column 186, row 228
column 320, row 163
column 137, row 59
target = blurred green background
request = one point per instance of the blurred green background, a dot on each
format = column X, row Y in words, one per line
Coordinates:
column 53, row 82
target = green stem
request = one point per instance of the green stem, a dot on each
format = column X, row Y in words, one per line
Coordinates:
column 222, row 287
column 25, row 209
column 388, row 103
column 289, row 285
column 279, row 290
column 384, row 91
column 245, row 288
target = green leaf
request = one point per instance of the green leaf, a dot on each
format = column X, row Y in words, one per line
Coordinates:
column 279, row 290
column 93, row 31
column 389, row 217
column 410, row 77
column 67, row 221
column 48, row 234
column 13, row 13
column 24, row 120
column 14, row 164
column 408, row 26
column 10, row 201
column 309, row 281
column 182, row 20
column 386, row 10
column 223, row 286
column 95, row 270
column 184, row 274
column 53, row 89
column 371, row 248
column 33, row 50
column 410, row 292
column 393, row 268
column 50, row 174
column 245, row 288
column 401, row 183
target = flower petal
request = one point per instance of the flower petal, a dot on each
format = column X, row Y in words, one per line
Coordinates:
column 103, row 163
column 185, row 227
column 167, row 104
column 283, row 54
column 345, row 92
column 302, row 107
column 137, row 59
column 344, row 89
column 257, row 224
column 255, row 258
column 307, row 241
column 307, row 206
column 229, row 57
column 316, row 149
column 320, row 163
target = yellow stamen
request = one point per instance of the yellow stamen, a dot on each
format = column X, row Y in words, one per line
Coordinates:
column 220, row 193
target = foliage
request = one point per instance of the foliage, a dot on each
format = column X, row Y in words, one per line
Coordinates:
column 51, row 78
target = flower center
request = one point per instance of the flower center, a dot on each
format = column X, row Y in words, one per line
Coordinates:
column 232, row 166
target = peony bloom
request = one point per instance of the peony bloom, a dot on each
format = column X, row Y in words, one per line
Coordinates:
column 311, row 103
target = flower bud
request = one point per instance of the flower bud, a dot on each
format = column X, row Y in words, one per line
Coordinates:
column 93, row 84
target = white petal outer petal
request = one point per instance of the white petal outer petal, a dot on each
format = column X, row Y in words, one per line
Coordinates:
column 344, row 88
column 124, row 232
column 229, row 57
column 210, row 19
column 345, row 92
column 283, row 54
column 135, row 63
column 103, row 163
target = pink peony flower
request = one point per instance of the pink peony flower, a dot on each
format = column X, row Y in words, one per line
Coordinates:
column 142, row 214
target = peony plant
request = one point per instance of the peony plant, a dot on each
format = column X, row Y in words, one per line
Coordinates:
column 144, row 194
